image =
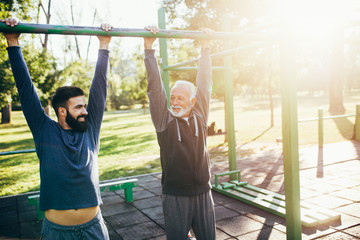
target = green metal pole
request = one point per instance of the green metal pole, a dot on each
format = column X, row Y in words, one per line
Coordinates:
column 18, row 152
column 219, row 54
column 215, row 68
column 163, row 54
column 321, row 127
column 290, row 128
column 229, row 106
column 357, row 123
column 129, row 32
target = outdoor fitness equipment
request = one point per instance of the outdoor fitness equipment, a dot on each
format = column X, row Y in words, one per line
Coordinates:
column 287, row 206
column 290, row 203
column 121, row 32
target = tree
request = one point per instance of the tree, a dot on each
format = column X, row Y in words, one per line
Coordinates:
column 336, row 105
column 43, row 71
column 75, row 73
column 206, row 13
column 138, row 59
column 21, row 9
column 122, row 78
column 244, row 16
column 47, row 16
column 7, row 86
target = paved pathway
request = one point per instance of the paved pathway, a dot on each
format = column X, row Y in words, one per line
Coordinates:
column 329, row 178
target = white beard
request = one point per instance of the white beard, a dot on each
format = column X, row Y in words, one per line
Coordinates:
column 182, row 111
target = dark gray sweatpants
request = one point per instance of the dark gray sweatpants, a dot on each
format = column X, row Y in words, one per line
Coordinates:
column 183, row 212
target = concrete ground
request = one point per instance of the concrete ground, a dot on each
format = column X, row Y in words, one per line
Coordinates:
column 329, row 177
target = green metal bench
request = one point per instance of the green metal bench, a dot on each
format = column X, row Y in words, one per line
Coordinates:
column 311, row 215
column 127, row 185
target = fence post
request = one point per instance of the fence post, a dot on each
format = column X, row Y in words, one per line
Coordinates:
column 357, row 123
column 321, row 127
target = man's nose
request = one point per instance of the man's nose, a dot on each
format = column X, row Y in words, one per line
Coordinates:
column 84, row 111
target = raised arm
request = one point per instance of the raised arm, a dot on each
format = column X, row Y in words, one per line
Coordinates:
column 97, row 95
column 30, row 102
column 155, row 89
column 204, row 78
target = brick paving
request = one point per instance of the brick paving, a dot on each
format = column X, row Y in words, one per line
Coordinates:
column 329, row 177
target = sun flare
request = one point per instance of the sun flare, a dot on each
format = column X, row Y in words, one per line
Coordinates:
column 318, row 20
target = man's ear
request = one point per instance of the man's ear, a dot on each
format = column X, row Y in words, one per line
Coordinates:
column 193, row 101
column 62, row 112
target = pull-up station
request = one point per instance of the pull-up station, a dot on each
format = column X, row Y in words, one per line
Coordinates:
column 289, row 207
column 123, row 32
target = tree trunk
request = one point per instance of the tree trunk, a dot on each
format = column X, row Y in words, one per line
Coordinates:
column 47, row 109
column 73, row 21
column 269, row 76
column 336, row 105
column 271, row 103
column 88, row 47
column 6, row 114
column 144, row 107
column 48, row 16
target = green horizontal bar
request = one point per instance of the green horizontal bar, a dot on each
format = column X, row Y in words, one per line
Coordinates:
column 227, row 173
column 18, row 152
column 329, row 117
column 216, row 68
column 126, row 32
column 216, row 55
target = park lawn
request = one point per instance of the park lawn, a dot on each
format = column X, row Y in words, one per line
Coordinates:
column 129, row 145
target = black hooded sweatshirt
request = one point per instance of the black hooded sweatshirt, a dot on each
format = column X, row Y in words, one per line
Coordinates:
column 183, row 153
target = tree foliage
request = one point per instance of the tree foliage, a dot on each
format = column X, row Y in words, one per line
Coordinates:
column 251, row 73
column 10, row 8
column 250, row 70
column 197, row 14
column 43, row 71
column 127, row 79
column 41, row 64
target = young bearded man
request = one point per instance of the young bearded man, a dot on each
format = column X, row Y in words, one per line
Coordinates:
column 67, row 149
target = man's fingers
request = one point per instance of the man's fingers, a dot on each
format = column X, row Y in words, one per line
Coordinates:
column 10, row 21
column 106, row 27
column 208, row 31
column 152, row 29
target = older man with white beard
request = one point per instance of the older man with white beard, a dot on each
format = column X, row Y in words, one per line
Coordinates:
column 181, row 132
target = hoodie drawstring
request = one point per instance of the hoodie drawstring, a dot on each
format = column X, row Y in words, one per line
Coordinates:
column 178, row 128
column 196, row 126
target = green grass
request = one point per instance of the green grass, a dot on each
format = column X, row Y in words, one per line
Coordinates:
column 129, row 146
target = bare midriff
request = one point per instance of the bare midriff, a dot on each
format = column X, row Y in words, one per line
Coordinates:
column 71, row 216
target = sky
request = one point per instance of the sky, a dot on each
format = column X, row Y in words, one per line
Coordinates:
column 119, row 13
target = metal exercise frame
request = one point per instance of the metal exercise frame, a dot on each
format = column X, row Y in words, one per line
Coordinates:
column 288, row 94
column 291, row 201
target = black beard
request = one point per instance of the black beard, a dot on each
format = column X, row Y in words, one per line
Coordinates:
column 75, row 124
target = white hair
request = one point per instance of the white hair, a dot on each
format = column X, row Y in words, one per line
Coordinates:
column 187, row 84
